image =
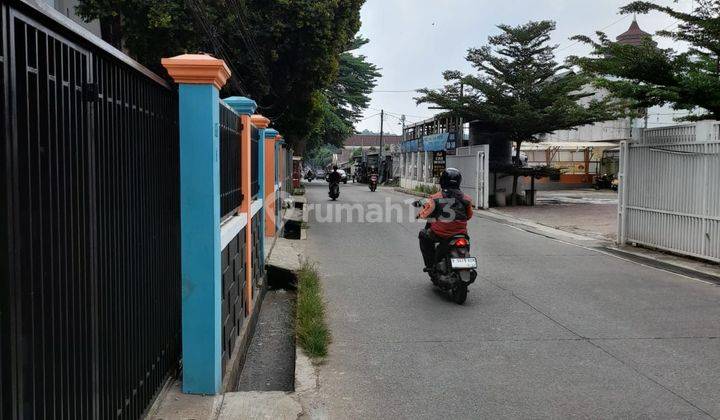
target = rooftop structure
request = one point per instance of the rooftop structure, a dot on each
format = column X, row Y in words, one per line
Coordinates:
column 634, row 35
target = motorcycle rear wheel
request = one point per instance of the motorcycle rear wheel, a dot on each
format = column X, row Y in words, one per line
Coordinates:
column 459, row 294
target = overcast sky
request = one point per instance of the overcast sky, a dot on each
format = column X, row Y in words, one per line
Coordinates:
column 414, row 41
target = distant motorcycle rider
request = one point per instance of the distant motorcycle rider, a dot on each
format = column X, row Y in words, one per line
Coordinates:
column 451, row 210
column 334, row 177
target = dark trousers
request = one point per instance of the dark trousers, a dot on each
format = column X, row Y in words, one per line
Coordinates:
column 428, row 240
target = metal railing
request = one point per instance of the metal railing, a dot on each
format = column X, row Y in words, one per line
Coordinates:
column 232, row 265
column 231, row 194
column 669, row 194
column 90, row 214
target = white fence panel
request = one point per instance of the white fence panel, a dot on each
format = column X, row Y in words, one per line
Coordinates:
column 670, row 190
column 473, row 163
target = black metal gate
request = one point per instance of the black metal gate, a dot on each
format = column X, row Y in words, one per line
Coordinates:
column 89, row 225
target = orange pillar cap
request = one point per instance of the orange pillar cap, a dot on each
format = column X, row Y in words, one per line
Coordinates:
column 259, row 121
column 197, row 69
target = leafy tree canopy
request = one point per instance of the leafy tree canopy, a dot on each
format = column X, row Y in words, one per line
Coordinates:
column 281, row 53
column 520, row 91
column 344, row 101
column 647, row 75
column 321, row 156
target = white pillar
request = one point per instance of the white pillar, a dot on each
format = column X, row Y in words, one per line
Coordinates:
column 412, row 166
column 418, row 172
column 425, row 168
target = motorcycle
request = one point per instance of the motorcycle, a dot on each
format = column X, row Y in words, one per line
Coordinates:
column 334, row 192
column 605, row 181
column 309, row 176
column 373, row 182
column 454, row 268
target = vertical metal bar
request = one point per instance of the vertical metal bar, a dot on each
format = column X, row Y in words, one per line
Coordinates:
column 622, row 178
column 705, row 179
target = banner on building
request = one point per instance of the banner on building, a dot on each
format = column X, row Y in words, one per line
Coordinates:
column 451, row 144
column 438, row 163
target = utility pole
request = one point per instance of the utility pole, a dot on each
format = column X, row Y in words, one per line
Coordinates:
column 380, row 159
column 461, row 128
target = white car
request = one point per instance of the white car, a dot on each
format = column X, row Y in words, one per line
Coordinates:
column 343, row 176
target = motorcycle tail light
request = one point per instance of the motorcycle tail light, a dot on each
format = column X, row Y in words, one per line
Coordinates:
column 461, row 242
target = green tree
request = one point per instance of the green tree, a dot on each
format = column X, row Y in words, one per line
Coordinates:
column 521, row 92
column 281, row 53
column 321, row 156
column 343, row 102
column 647, row 75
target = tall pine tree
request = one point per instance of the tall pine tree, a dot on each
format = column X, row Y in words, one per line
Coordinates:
column 647, row 75
column 520, row 91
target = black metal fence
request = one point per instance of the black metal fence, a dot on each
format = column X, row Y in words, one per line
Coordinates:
column 258, row 267
column 254, row 169
column 89, row 224
column 233, row 293
column 230, row 162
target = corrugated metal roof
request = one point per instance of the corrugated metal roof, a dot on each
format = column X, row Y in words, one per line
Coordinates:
column 566, row 145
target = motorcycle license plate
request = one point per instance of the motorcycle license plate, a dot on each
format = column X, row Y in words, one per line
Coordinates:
column 470, row 262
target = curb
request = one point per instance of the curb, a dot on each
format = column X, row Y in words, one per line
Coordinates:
column 627, row 253
column 676, row 268
column 411, row 192
column 306, row 378
column 537, row 228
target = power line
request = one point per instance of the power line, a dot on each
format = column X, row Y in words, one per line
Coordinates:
column 367, row 118
column 399, row 113
column 396, row 91
column 202, row 19
column 600, row 30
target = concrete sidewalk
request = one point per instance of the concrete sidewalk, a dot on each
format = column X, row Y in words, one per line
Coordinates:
column 173, row 404
column 584, row 212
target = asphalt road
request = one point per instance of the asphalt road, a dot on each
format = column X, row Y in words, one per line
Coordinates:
column 549, row 330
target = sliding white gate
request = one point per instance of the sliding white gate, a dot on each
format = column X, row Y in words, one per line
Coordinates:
column 669, row 194
column 473, row 163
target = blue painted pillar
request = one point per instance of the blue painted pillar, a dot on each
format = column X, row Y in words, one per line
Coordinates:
column 200, row 78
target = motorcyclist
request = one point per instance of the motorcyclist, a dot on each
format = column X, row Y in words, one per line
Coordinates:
column 450, row 209
column 334, row 177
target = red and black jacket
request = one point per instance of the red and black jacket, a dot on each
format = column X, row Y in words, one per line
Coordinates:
column 451, row 209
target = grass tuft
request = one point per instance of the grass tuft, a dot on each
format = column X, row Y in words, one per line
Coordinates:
column 311, row 328
column 426, row 189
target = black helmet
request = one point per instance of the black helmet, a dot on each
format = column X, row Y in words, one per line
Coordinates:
column 451, row 178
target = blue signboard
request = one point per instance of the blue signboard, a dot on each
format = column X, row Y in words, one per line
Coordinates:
column 409, row 146
column 432, row 143
column 435, row 142
column 451, row 144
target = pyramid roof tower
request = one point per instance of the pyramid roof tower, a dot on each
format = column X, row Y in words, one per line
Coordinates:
column 634, row 35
